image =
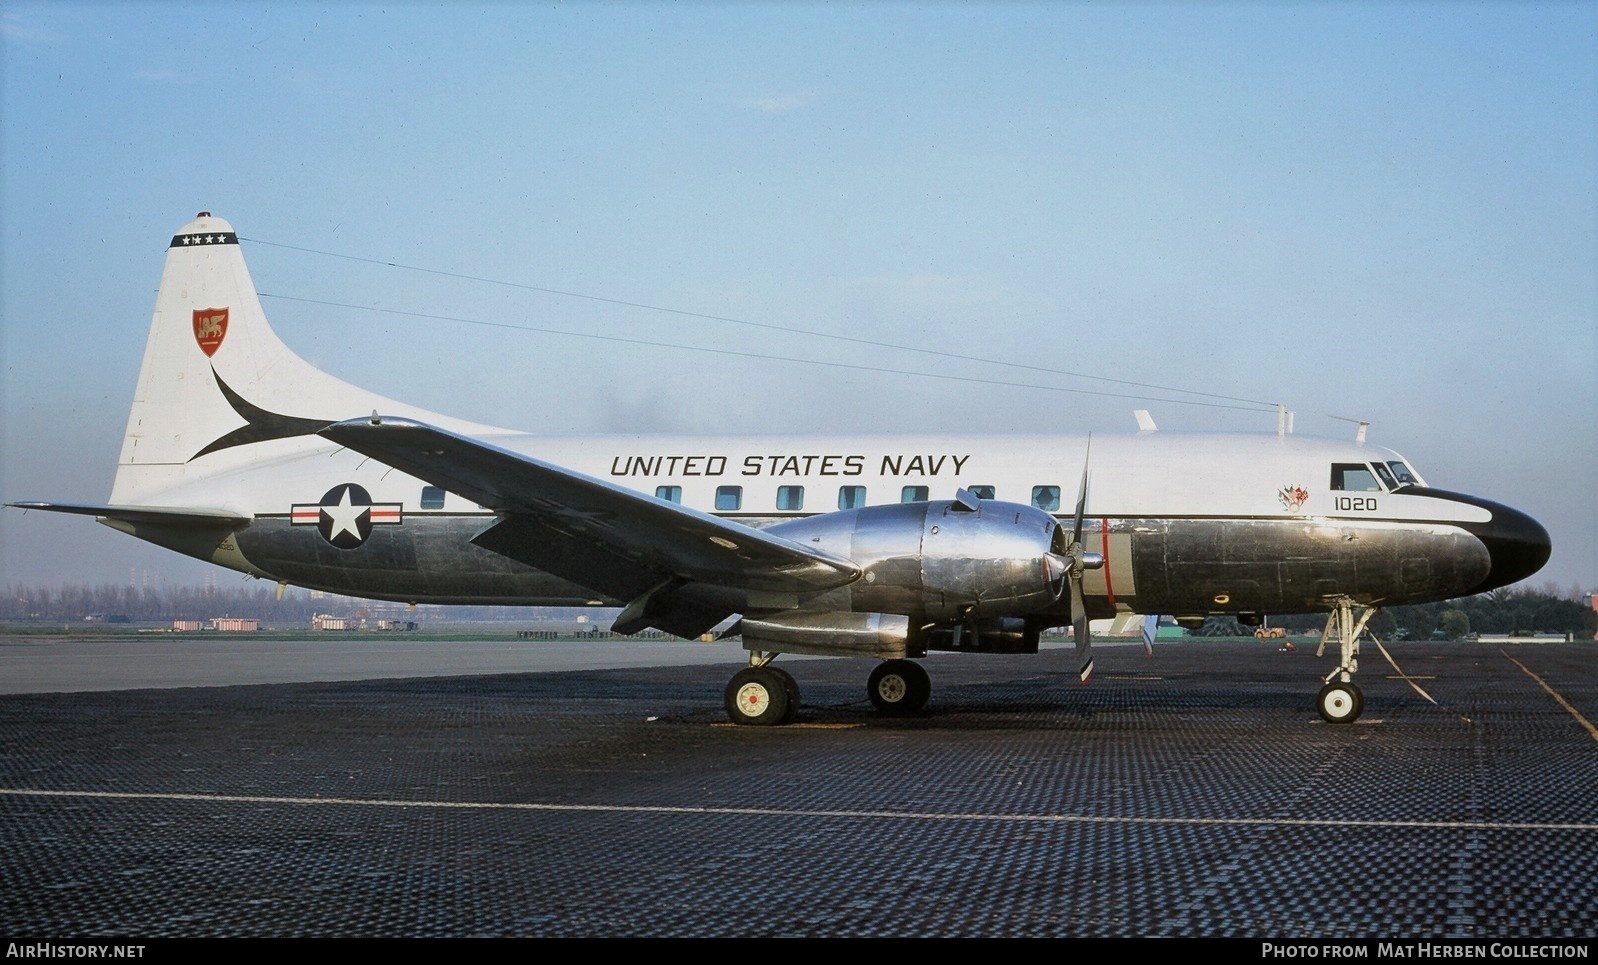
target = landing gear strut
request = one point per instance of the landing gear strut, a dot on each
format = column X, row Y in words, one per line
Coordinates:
column 1340, row 700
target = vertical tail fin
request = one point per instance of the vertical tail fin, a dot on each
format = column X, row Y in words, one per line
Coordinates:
column 216, row 383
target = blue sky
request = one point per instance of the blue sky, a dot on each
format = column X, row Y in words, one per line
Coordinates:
column 1381, row 211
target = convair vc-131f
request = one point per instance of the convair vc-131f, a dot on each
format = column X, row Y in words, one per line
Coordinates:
column 241, row 453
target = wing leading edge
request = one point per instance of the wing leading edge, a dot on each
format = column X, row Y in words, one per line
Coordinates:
column 684, row 571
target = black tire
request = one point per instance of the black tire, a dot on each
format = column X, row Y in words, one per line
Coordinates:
column 760, row 696
column 1340, row 703
column 792, row 686
column 899, row 687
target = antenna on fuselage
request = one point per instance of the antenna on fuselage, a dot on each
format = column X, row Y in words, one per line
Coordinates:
column 1359, row 434
column 1284, row 420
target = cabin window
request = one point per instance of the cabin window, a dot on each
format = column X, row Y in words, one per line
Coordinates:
column 432, row 497
column 1403, row 475
column 1385, row 475
column 790, row 498
column 913, row 494
column 671, row 494
column 729, row 498
column 982, row 492
column 1046, row 497
column 851, row 497
column 1354, row 477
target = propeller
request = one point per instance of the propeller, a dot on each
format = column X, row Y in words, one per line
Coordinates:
column 1081, row 561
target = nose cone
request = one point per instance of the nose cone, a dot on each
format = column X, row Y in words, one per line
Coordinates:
column 1518, row 545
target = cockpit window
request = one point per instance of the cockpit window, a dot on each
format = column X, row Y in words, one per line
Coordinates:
column 1402, row 473
column 1354, row 477
column 1385, row 475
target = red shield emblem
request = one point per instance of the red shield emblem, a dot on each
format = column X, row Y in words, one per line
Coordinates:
column 210, row 325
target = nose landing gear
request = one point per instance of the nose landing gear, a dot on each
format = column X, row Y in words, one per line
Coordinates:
column 1340, row 700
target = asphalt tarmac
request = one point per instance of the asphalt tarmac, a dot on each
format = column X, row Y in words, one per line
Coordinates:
column 392, row 786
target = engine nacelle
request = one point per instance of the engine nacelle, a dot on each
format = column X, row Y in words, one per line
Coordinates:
column 886, row 636
column 960, row 559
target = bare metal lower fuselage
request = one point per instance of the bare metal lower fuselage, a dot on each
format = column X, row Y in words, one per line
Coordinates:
column 1171, row 566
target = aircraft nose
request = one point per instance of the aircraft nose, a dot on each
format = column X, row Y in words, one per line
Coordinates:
column 1517, row 544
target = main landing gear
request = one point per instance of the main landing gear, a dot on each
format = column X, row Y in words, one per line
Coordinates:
column 898, row 688
column 1340, row 700
column 764, row 695
column 761, row 693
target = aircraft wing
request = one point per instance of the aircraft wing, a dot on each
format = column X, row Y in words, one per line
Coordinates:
column 683, row 570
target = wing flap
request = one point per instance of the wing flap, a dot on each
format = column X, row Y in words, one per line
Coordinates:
column 665, row 608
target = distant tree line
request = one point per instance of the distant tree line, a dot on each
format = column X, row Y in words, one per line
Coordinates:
column 1506, row 610
column 112, row 603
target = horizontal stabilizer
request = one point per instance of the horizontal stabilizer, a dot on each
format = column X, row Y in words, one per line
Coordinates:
column 162, row 515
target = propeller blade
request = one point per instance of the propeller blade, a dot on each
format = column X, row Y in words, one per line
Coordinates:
column 1082, row 496
column 1084, row 640
column 1080, row 561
